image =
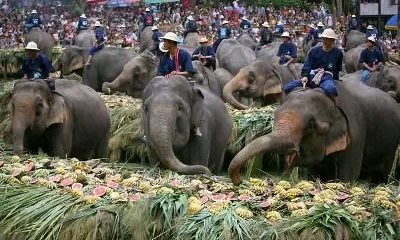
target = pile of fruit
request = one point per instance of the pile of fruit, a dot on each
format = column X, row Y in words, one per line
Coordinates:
column 258, row 207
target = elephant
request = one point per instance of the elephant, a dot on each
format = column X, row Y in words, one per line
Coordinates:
column 85, row 39
column 352, row 57
column 44, row 41
column 134, row 76
column 71, row 60
column 246, row 39
column 354, row 38
column 146, row 41
column 307, row 46
column 191, row 40
column 261, row 81
column 170, row 110
column 205, row 77
column 232, row 56
column 105, row 66
column 269, row 51
column 72, row 121
column 335, row 142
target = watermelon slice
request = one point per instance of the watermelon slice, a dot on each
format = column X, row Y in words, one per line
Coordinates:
column 244, row 198
column 66, row 182
column 77, row 186
column 16, row 172
column 176, row 182
column 204, row 199
column 33, row 181
column 266, row 203
column 28, row 167
column 112, row 184
column 55, row 178
column 342, row 196
column 135, row 197
column 218, row 197
column 99, row 191
column 314, row 192
column 229, row 196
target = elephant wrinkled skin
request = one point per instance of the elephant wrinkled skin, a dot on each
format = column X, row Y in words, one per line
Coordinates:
column 145, row 40
column 71, row 122
column 44, row 41
column 335, row 143
column 247, row 40
column 170, row 110
column 191, row 40
column 85, row 39
column 355, row 38
column 206, row 78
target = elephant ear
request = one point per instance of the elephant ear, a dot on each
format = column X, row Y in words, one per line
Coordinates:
column 76, row 61
column 58, row 110
column 339, row 136
column 273, row 85
column 197, row 107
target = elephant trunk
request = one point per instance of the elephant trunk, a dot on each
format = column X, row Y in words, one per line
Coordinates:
column 161, row 128
column 232, row 86
column 57, row 64
column 19, row 126
column 284, row 139
column 118, row 83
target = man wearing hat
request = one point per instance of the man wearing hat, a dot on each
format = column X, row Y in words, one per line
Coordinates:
column 266, row 35
column 191, row 26
column 371, row 32
column 353, row 23
column 311, row 33
column 156, row 38
column 322, row 66
column 245, row 24
column 148, row 19
column 83, row 23
column 224, row 32
column 205, row 53
column 317, row 33
column 287, row 52
column 37, row 65
column 34, row 21
column 99, row 43
column 279, row 29
column 371, row 59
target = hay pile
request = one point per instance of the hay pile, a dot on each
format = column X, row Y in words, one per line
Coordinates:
column 45, row 198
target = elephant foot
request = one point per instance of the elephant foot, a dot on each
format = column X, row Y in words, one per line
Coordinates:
column 108, row 91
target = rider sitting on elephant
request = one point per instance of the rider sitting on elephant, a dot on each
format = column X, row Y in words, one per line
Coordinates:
column 311, row 33
column 99, row 43
column 322, row 66
column 83, row 23
column 373, row 32
column 353, row 23
column 279, row 29
column 371, row 60
column 156, row 38
column 37, row 65
column 224, row 32
column 34, row 21
column 287, row 52
column 191, row 26
column 175, row 61
column 205, row 53
column 317, row 33
column 266, row 35
column 148, row 19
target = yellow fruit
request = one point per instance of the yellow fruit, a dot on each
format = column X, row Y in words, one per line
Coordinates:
column 26, row 179
column 41, row 173
column 78, row 166
column 76, row 192
column 279, row 190
column 129, row 182
column 15, row 159
column 284, row 184
column 217, row 207
column 165, row 190
column 398, row 204
column 194, row 200
column 355, row 209
column 356, row 191
column 246, row 192
column 60, row 170
column 382, row 194
column 244, row 213
column 334, row 186
column 91, row 199
column 145, row 186
column 377, row 200
column 51, row 185
column 115, row 195
column 387, row 204
column 305, row 186
column 194, row 208
column 257, row 182
column 257, row 189
column 273, row 216
column 299, row 212
column 295, row 206
column 293, row 193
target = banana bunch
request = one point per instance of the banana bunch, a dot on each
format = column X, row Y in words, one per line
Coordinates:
column 293, row 193
column 244, row 213
column 76, row 192
column 355, row 209
column 41, row 173
column 247, row 192
column 26, row 179
column 259, row 190
column 325, row 196
column 284, row 184
column 279, row 190
column 218, row 206
column 91, row 199
column 273, row 216
column 381, row 198
column 334, row 186
column 61, row 170
column 15, row 159
column 299, row 212
column 356, row 191
column 296, row 205
column 145, row 186
column 257, row 182
column 305, row 185
column 165, row 190
column 130, row 182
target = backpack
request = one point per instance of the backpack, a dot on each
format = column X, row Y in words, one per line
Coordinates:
column 191, row 25
column 149, row 20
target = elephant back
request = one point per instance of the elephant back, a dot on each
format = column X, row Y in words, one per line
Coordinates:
column 44, row 41
column 145, row 39
column 247, row 40
column 354, row 38
column 85, row 38
column 191, row 40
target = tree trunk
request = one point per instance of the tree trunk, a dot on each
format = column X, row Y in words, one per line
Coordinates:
column 339, row 8
column 398, row 26
column 334, row 13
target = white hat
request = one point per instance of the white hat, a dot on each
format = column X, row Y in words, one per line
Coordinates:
column 285, row 34
column 154, row 28
column 203, row 40
column 328, row 33
column 147, row 10
column 97, row 24
column 162, row 48
column 353, row 16
column 190, row 17
column 320, row 24
column 32, row 46
column 170, row 36
column 312, row 25
column 34, row 11
column 370, row 27
column 265, row 24
column 83, row 15
column 279, row 23
column 244, row 18
column 225, row 22
column 372, row 39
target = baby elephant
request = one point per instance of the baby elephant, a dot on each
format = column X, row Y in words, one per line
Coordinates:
column 72, row 121
column 172, row 108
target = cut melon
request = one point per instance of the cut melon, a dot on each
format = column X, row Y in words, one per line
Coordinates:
column 218, row 197
column 28, row 167
column 16, row 172
column 244, row 198
column 66, row 182
column 112, row 184
column 77, row 186
column 55, row 178
column 135, row 197
column 99, row 191
column 266, row 203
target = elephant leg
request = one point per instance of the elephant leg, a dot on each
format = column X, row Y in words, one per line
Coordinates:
column 61, row 141
column 152, row 157
column 349, row 163
column 101, row 149
column 217, row 156
column 199, row 148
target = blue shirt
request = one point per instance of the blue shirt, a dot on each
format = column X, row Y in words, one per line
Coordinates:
column 279, row 29
column 329, row 61
column 224, row 32
column 207, row 51
column 156, row 36
column 287, row 49
column 38, row 68
column 34, row 20
column 191, row 25
column 371, row 57
column 372, row 33
column 167, row 64
column 353, row 24
column 83, row 24
column 99, row 33
column 245, row 24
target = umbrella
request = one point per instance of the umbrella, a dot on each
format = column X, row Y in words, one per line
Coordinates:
column 391, row 24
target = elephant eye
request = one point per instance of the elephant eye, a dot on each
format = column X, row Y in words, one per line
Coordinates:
column 181, row 108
